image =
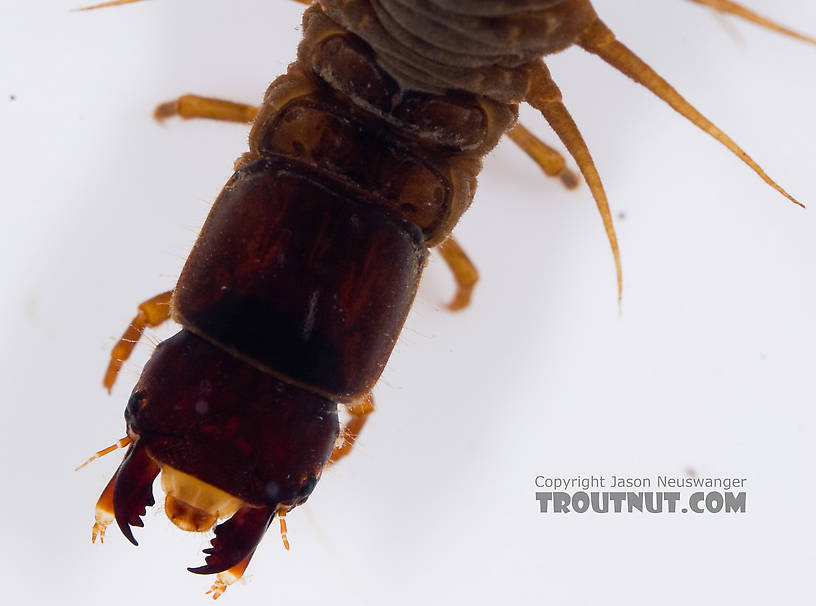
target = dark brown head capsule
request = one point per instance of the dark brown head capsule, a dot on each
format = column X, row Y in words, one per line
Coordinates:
column 363, row 155
column 292, row 300
column 228, row 439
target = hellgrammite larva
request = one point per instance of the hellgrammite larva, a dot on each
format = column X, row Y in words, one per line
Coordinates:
column 363, row 156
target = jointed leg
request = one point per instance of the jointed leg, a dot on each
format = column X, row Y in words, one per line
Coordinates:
column 228, row 577
column 599, row 40
column 545, row 96
column 152, row 313
column 103, row 513
column 359, row 412
column 106, row 4
column 120, row 2
column 464, row 272
column 194, row 106
column 550, row 161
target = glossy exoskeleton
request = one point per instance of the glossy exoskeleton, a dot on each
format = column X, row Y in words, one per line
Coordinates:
column 362, row 157
column 295, row 292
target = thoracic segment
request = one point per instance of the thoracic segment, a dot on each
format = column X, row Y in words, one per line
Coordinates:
column 361, row 156
column 495, row 50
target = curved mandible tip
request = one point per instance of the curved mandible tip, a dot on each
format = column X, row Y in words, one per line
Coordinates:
column 236, row 539
column 133, row 490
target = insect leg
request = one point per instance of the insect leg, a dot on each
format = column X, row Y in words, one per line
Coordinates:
column 120, row 2
column 464, row 272
column 545, row 96
column 599, row 40
column 548, row 159
column 103, row 512
column 732, row 8
column 152, row 313
column 106, row 4
column 228, row 577
column 359, row 412
column 195, row 106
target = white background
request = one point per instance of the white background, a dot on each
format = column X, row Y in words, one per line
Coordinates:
column 708, row 367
